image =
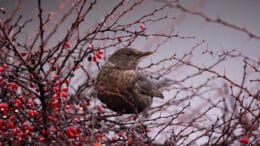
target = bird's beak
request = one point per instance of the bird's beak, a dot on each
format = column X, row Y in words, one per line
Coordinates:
column 142, row 54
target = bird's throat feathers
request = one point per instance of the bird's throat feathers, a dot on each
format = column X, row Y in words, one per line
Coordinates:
column 110, row 64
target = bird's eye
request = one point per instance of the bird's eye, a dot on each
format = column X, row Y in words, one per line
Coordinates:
column 128, row 53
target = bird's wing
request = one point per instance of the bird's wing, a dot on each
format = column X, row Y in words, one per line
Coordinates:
column 146, row 87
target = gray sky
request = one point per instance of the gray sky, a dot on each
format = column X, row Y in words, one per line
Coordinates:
column 244, row 13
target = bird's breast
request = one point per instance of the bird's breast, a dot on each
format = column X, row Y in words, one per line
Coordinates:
column 113, row 79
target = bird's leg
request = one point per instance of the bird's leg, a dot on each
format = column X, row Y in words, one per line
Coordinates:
column 136, row 112
column 145, row 113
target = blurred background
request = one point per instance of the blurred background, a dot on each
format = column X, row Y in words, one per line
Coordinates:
column 242, row 13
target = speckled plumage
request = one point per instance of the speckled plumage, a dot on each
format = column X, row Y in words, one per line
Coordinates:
column 121, row 87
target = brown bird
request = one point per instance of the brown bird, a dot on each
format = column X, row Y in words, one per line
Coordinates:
column 121, row 87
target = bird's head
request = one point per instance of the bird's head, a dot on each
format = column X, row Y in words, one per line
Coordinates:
column 127, row 58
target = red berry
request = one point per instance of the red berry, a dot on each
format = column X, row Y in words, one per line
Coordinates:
column 55, row 76
column 57, row 83
column 55, row 96
column 56, row 90
column 51, row 119
column 69, row 132
column 3, row 106
column 64, row 94
column 5, row 66
column 15, row 86
column 52, row 62
column 23, row 53
column 65, row 89
column 52, row 129
column 244, row 140
column 17, row 102
column 101, row 52
column 73, row 130
column 68, row 106
column 41, row 139
column 67, row 45
column 76, row 119
column 142, row 27
column 119, row 39
column 21, row 97
column 30, row 102
column 94, row 58
column 32, row 85
column 34, row 96
column 32, row 112
column 90, row 46
column 11, row 124
column 97, row 144
column 99, row 56
column 99, row 136
column 44, row 132
column 76, row 66
column 12, row 118
column 129, row 141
